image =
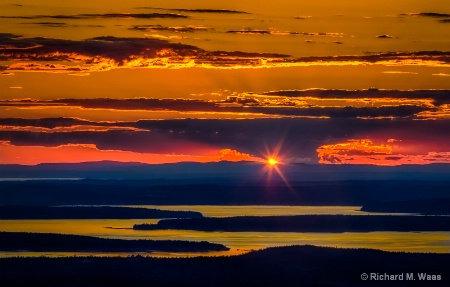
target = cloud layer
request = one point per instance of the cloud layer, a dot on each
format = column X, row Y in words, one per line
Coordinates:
column 75, row 153
column 311, row 140
column 365, row 151
column 108, row 52
column 102, row 16
column 314, row 103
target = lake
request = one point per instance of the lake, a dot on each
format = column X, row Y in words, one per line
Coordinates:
column 265, row 210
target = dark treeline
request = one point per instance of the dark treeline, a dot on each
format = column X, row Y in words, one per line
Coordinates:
column 89, row 212
column 440, row 206
column 282, row 266
column 135, row 192
column 306, row 223
column 76, row 243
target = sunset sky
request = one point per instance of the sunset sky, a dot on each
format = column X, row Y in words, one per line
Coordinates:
column 323, row 82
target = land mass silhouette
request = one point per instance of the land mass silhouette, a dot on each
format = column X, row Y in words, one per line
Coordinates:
column 281, row 266
column 436, row 206
column 305, row 223
column 11, row 241
column 89, row 212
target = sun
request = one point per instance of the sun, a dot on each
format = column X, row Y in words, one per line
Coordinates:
column 272, row 161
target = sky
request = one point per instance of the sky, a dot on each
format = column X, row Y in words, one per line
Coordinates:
column 321, row 82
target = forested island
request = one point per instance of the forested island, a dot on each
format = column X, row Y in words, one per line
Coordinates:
column 90, row 212
column 12, row 241
column 281, row 266
column 306, row 223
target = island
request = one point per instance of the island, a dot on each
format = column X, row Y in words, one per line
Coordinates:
column 41, row 242
column 89, row 212
column 437, row 206
column 305, row 223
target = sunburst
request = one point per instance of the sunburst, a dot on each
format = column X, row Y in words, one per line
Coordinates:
column 272, row 161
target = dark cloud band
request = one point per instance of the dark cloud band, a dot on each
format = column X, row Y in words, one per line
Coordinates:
column 103, row 16
column 299, row 137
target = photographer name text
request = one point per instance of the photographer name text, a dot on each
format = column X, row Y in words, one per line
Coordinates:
column 401, row 276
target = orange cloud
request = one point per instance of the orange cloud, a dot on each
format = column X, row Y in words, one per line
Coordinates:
column 108, row 52
column 116, row 115
column 339, row 153
column 74, row 128
column 365, row 151
column 442, row 112
column 74, row 153
column 234, row 155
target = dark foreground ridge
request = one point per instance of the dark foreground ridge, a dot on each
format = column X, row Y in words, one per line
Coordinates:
column 11, row 241
column 306, row 223
column 439, row 206
column 90, row 212
column 281, row 266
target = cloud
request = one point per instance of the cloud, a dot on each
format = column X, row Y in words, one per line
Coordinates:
column 75, row 128
column 442, row 112
column 433, row 15
column 400, row 72
column 99, row 114
column 300, row 138
column 134, row 139
column 233, row 155
column 92, row 50
column 384, row 36
column 302, row 17
column 12, row 41
column 108, row 52
column 213, row 11
column 74, row 153
column 84, row 74
column 365, row 151
column 442, row 75
column 179, row 29
column 56, row 125
column 441, row 17
column 340, row 153
column 50, row 24
column 219, row 11
column 438, row 97
column 60, row 25
column 103, row 16
column 48, row 123
column 163, row 37
column 249, row 31
column 248, row 105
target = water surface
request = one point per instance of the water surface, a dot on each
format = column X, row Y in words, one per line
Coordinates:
column 239, row 242
column 265, row 210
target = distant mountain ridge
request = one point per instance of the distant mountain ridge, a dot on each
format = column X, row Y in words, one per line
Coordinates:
column 227, row 171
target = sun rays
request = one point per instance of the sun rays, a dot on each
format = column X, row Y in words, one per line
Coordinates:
column 273, row 162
